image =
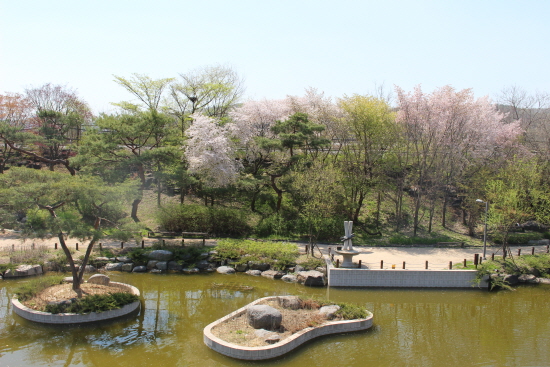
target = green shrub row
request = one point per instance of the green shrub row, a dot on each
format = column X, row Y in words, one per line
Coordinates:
column 278, row 255
column 519, row 238
column 197, row 218
column 94, row 303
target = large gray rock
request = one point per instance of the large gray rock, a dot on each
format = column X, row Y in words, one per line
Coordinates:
column 225, row 270
column 90, row 269
column 264, row 317
column 511, row 279
column 241, row 267
column 123, row 259
column 114, row 266
column 273, row 274
column 290, row 302
column 329, row 311
column 70, row 280
column 152, row 264
column 299, row 268
column 174, row 266
column 99, row 279
column 255, row 265
column 290, row 278
column 23, row 271
column 527, row 278
column 160, row 255
column 311, row 278
column 139, row 269
column 190, row 270
column 255, row 273
column 127, row 267
column 162, row 265
column 543, row 280
column 204, row 265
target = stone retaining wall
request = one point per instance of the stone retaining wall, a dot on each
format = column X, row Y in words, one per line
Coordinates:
column 285, row 345
column 71, row 318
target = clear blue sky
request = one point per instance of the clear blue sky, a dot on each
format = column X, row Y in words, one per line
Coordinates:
column 280, row 47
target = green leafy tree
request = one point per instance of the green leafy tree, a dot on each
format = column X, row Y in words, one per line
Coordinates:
column 63, row 197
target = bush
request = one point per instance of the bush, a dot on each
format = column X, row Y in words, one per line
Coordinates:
column 94, row 303
column 274, row 224
column 518, row 238
column 279, row 255
column 198, row 218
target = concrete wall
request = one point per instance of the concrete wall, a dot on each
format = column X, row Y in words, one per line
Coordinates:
column 285, row 345
column 71, row 318
column 402, row 278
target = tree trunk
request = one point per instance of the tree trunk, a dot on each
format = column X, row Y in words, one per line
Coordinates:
column 378, row 203
column 76, row 280
column 416, row 214
column 358, row 208
column 135, row 206
column 444, row 212
column 278, row 191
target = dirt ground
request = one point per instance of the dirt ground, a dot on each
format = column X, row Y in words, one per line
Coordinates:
column 63, row 292
column 238, row 331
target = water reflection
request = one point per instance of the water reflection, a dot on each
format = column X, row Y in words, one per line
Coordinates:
column 412, row 327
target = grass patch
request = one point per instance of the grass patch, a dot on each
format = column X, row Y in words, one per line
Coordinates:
column 36, row 285
column 278, row 254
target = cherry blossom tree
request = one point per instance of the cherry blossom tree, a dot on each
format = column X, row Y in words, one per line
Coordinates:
column 210, row 152
column 445, row 131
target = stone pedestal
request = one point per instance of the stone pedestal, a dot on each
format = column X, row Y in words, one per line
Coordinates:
column 348, row 258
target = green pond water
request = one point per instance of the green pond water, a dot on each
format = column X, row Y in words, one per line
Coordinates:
column 411, row 327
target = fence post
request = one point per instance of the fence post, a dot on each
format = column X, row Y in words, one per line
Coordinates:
column 13, row 247
column 122, row 245
column 403, row 265
column 547, row 248
column 476, row 259
column 337, row 263
column 307, row 249
column 77, row 246
column 55, row 246
column 450, row 265
column 464, row 262
column 533, row 250
column 143, row 243
column 426, row 264
column 381, row 264
column 359, row 264
column 493, row 256
column 33, row 245
column 163, row 243
column 519, row 252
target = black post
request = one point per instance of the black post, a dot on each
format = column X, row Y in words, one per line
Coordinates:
column 77, row 246
column 464, row 262
column 55, row 246
column 426, row 264
column 519, row 252
column 381, row 264
column 122, row 245
column 100, row 247
column 476, row 259
column 142, row 244
column 450, row 265
column 533, row 250
column 359, row 264
column 493, row 256
column 403, row 265
column 337, row 263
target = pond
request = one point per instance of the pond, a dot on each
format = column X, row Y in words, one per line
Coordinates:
column 411, row 327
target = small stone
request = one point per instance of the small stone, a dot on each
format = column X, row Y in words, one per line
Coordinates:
column 329, row 311
column 156, row 271
column 113, row 267
column 225, row 270
column 255, row 273
column 162, row 265
column 123, row 259
column 139, row 269
column 273, row 274
column 152, row 264
column 289, row 278
column 190, row 270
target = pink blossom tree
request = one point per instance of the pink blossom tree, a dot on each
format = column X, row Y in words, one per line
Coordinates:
column 445, row 132
column 210, row 152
